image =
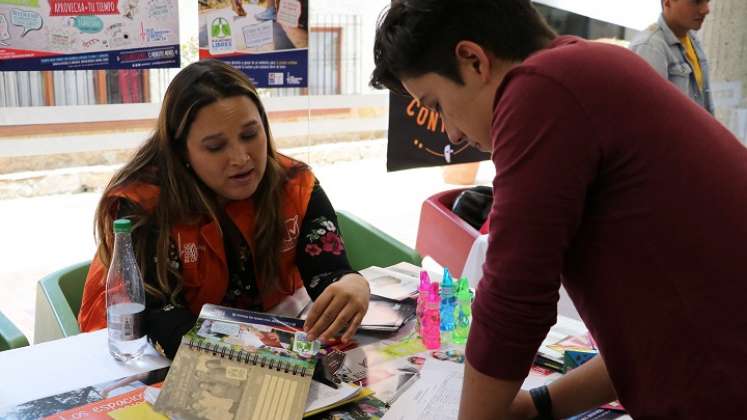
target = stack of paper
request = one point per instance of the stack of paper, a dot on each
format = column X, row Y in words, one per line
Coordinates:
column 386, row 315
column 437, row 394
column 390, row 284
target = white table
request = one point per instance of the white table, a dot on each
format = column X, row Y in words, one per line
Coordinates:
column 70, row 363
column 475, row 259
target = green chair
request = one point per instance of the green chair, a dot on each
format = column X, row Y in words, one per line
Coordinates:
column 58, row 298
column 58, row 295
column 10, row 336
column 366, row 245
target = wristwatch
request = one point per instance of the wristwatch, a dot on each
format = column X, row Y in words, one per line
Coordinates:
column 542, row 402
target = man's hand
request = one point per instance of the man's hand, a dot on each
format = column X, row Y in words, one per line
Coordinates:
column 585, row 387
column 485, row 397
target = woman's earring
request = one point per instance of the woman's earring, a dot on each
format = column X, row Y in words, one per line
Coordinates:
column 187, row 165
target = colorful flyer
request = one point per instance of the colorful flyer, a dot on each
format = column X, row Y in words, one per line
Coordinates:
column 95, row 402
column 88, row 34
column 266, row 39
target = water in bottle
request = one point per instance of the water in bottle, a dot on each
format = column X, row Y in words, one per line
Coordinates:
column 126, row 338
column 125, row 298
column 462, row 312
column 448, row 303
column 423, row 289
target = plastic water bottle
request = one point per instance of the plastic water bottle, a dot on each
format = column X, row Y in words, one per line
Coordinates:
column 423, row 289
column 462, row 312
column 125, row 298
column 448, row 303
column 431, row 328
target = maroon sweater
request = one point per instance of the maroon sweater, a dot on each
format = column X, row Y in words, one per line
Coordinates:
column 611, row 181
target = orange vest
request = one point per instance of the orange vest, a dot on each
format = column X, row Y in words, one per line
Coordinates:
column 203, row 259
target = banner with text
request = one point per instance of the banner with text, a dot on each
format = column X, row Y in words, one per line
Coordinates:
column 417, row 138
column 268, row 41
column 88, row 34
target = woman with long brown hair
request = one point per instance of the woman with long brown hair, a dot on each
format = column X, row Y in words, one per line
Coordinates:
column 221, row 217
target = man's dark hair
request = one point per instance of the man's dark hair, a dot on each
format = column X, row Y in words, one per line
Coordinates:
column 415, row 37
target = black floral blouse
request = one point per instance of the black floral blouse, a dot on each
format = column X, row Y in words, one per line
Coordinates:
column 320, row 255
column 320, row 258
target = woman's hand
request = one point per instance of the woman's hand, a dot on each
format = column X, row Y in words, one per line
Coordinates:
column 343, row 303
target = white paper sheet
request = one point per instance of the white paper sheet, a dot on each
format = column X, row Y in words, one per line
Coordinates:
column 390, row 284
column 321, row 395
column 434, row 396
column 289, row 12
column 437, row 394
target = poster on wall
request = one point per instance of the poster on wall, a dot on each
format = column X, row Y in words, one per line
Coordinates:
column 417, row 138
column 266, row 39
column 88, row 34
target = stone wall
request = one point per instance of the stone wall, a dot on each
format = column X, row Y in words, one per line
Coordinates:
column 724, row 36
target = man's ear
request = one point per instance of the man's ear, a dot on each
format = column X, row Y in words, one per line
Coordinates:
column 473, row 59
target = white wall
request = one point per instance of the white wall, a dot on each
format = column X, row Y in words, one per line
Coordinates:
column 187, row 20
column 635, row 14
column 369, row 11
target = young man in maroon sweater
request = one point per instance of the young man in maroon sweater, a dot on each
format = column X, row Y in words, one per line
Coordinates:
column 609, row 181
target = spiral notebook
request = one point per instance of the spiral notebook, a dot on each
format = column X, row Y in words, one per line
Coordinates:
column 237, row 364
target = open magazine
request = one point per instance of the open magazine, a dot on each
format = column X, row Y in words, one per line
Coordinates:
column 133, row 398
column 101, row 401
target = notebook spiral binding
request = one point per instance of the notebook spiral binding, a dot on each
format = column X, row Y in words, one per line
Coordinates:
column 246, row 357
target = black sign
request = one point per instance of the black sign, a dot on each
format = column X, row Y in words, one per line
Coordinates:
column 417, row 138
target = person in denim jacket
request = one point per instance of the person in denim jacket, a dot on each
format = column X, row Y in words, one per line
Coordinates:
column 671, row 47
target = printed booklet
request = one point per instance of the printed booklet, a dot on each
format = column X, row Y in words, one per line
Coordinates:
column 237, row 364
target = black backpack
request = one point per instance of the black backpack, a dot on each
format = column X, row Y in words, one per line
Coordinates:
column 473, row 205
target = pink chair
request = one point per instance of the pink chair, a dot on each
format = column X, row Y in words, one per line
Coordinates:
column 443, row 235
